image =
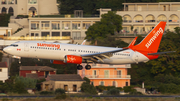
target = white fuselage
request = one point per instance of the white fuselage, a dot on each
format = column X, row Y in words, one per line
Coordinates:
column 30, row 49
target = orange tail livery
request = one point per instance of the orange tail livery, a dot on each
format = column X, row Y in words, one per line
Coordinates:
column 150, row 43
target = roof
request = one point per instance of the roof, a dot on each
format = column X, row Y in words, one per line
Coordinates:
column 3, row 65
column 32, row 75
column 65, row 77
column 39, row 68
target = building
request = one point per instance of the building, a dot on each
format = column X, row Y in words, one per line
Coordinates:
column 68, row 82
column 144, row 16
column 107, row 75
column 3, row 71
column 29, row 7
column 37, row 72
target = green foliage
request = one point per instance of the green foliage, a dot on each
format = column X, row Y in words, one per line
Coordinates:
column 59, row 91
column 1, row 56
column 111, row 42
column 109, row 24
column 134, row 92
column 4, row 19
column 87, row 87
column 19, row 87
column 113, row 91
column 169, row 88
column 45, row 93
column 14, row 69
column 28, row 82
column 22, row 16
column 88, row 6
column 19, row 29
column 87, row 80
column 127, row 89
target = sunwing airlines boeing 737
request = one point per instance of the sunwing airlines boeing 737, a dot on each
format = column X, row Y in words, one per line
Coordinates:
column 76, row 54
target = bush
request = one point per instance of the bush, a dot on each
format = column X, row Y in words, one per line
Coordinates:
column 134, row 92
column 100, row 88
column 127, row 89
column 59, row 91
column 113, row 91
column 46, row 92
column 169, row 88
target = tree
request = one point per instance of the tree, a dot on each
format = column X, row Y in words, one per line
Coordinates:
column 27, row 82
column 87, row 87
column 14, row 69
column 109, row 24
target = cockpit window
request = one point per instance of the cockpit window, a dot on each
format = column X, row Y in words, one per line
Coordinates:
column 14, row 45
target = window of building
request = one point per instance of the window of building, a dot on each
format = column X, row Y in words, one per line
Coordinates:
column 114, row 83
column 45, row 25
column 45, row 34
column 86, row 25
column 3, row 2
column 66, row 88
column 32, row 1
column 106, row 73
column 34, row 25
column 55, row 25
column 94, row 73
column 76, row 35
column 55, row 33
column 65, row 25
column 74, row 88
column 92, row 83
column 76, row 25
column 126, row 83
column 33, row 71
column 102, row 83
column 11, row 1
column 66, row 33
column 118, row 73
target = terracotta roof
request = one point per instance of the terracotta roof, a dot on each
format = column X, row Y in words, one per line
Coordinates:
column 65, row 77
column 3, row 65
column 39, row 68
column 32, row 75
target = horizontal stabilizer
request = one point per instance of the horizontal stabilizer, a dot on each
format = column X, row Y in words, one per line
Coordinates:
column 159, row 53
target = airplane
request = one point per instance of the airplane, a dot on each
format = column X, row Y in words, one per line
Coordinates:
column 76, row 54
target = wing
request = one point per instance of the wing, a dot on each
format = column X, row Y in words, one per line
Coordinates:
column 94, row 57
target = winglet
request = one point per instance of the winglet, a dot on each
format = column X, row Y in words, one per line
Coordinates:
column 132, row 43
column 83, row 43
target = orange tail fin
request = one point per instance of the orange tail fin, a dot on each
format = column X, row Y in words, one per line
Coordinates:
column 150, row 43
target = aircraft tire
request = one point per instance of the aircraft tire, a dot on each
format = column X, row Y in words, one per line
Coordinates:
column 88, row 67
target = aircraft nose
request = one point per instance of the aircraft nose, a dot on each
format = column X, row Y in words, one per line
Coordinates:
column 6, row 50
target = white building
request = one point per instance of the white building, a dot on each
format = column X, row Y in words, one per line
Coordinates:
column 144, row 16
column 29, row 7
column 3, row 71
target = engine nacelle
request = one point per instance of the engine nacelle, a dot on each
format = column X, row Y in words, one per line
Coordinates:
column 73, row 59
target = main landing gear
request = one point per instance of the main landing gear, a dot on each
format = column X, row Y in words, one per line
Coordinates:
column 80, row 67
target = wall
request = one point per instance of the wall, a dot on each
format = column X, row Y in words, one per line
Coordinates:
column 47, row 7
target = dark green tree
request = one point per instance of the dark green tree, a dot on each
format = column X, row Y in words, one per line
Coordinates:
column 109, row 24
column 87, row 87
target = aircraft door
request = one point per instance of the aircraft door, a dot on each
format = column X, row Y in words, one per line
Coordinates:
column 26, row 47
column 136, row 56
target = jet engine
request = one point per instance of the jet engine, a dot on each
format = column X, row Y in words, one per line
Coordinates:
column 73, row 59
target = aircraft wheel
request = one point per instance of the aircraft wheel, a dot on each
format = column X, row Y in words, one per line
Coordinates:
column 79, row 67
column 88, row 67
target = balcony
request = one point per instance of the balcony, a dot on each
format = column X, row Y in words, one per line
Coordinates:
column 108, row 76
